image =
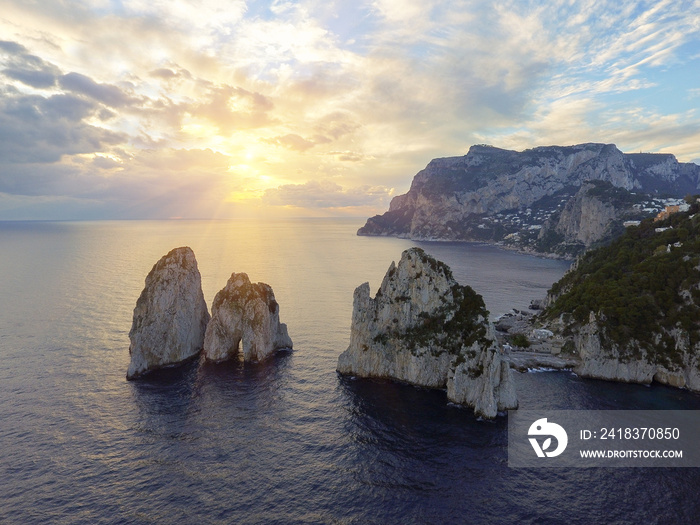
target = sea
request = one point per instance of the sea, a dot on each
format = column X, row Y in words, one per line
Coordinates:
column 288, row 440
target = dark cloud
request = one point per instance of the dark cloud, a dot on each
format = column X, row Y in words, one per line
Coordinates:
column 169, row 74
column 27, row 68
column 163, row 73
column 12, row 47
column 37, row 129
column 105, row 163
column 36, row 79
column 106, row 93
column 37, row 73
column 326, row 194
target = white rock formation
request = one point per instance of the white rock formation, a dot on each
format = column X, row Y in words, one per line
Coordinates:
column 424, row 328
column 170, row 317
column 245, row 313
column 586, row 218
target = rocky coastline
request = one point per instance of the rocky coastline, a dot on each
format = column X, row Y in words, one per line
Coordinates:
column 424, row 328
column 628, row 312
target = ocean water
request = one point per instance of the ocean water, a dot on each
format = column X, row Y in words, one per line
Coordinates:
column 285, row 441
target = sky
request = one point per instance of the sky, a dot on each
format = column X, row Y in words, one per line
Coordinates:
column 130, row 109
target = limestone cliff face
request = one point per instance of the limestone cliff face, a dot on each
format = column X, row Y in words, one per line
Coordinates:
column 247, row 315
column 450, row 196
column 171, row 315
column 602, row 359
column 422, row 327
column 594, row 214
column 485, row 381
column 585, row 218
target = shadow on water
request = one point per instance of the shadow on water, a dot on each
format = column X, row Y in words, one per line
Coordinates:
column 564, row 390
column 398, row 430
column 251, row 384
column 164, row 398
column 174, row 399
column 420, row 422
column 158, row 389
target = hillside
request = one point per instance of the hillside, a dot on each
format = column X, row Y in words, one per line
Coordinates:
column 631, row 310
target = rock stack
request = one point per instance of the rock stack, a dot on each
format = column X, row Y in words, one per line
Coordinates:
column 247, row 315
column 172, row 324
column 424, row 328
column 170, row 317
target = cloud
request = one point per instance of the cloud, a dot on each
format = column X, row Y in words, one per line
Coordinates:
column 167, row 73
column 38, row 129
column 234, row 108
column 348, row 156
column 326, row 194
column 106, row 163
column 27, row 68
column 35, row 78
column 151, row 184
column 107, row 94
column 291, row 141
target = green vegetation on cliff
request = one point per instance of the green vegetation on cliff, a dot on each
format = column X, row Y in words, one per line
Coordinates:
column 642, row 288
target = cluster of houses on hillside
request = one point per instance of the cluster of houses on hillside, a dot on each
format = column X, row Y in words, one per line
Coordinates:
column 526, row 219
column 663, row 208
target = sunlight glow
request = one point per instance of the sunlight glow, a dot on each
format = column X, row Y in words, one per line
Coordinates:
column 170, row 108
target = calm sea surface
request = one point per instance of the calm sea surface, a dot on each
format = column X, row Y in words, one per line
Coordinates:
column 286, row 441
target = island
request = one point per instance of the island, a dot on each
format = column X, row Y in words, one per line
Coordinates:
column 551, row 200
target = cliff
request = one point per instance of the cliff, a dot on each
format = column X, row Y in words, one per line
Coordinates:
column 593, row 216
column 247, row 315
column 170, row 317
column 423, row 328
column 631, row 310
column 497, row 195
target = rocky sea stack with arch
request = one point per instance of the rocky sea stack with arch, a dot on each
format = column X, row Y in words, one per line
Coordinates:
column 172, row 325
column 245, row 314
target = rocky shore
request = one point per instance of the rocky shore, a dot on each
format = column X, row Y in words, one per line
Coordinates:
column 527, row 347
